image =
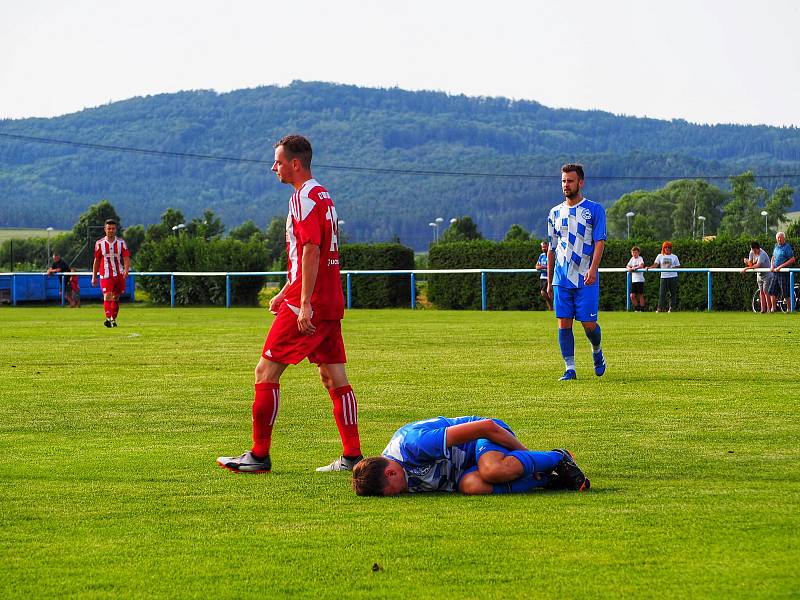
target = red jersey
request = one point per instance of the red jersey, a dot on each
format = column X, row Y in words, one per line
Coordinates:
column 111, row 256
column 312, row 220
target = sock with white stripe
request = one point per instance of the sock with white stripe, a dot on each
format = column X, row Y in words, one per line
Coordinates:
column 265, row 409
column 566, row 341
column 345, row 412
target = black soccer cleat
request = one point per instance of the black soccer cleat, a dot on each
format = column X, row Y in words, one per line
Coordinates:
column 567, row 474
column 107, row 322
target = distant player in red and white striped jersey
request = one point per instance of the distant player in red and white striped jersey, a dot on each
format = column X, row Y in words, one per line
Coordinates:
column 308, row 310
column 112, row 261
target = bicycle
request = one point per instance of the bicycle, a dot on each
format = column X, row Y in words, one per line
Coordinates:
column 780, row 303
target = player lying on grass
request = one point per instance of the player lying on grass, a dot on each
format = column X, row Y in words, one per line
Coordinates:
column 472, row 455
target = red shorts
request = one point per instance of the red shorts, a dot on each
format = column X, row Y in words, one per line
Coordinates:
column 113, row 285
column 286, row 345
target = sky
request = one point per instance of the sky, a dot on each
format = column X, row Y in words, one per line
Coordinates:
column 706, row 61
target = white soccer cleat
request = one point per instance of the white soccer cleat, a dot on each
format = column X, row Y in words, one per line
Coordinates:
column 340, row 464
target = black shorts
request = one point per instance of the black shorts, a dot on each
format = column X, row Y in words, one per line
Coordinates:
column 637, row 287
column 542, row 285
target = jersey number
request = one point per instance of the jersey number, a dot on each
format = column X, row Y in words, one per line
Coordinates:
column 331, row 216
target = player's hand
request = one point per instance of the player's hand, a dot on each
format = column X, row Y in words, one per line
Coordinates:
column 304, row 324
column 275, row 303
column 591, row 277
column 94, row 282
column 550, row 291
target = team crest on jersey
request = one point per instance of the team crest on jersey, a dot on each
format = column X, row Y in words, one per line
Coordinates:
column 420, row 471
column 586, row 214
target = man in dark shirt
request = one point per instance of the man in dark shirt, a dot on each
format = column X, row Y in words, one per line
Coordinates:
column 60, row 266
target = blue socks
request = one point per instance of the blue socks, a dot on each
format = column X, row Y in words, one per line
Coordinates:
column 594, row 337
column 534, row 461
column 523, row 484
column 567, row 343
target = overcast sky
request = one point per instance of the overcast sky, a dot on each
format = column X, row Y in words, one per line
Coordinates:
column 705, row 61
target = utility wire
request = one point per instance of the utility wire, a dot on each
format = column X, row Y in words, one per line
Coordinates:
column 189, row 155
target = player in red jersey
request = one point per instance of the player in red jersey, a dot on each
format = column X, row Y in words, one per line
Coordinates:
column 112, row 261
column 309, row 310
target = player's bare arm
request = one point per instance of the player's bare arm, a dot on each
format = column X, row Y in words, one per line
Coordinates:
column 310, row 269
column 591, row 275
column 488, row 429
column 275, row 302
column 551, row 261
column 95, row 269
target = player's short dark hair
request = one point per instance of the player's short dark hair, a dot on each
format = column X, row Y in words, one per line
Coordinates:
column 755, row 245
column 368, row 476
column 296, row 146
column 112, row 222
column 573, row 168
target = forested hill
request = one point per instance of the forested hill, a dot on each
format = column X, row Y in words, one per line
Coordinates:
column 354, row 128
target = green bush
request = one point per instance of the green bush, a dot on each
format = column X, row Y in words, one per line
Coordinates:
column 731, row 291
column 183, row 253
column 377, row 291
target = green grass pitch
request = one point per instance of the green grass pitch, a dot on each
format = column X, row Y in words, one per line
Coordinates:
column 109, row 489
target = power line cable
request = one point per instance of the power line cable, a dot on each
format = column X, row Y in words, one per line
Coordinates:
column 388, row 170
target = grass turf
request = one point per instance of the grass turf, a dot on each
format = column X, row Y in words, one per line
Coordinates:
column 108, row 486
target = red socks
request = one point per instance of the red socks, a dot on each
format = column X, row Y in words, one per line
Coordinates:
column 111, row 308
column 345, row 411
column 265, row 409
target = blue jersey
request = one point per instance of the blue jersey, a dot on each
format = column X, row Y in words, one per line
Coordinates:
column 574, row 231
column 421, row 450
column 781, row 254
column 541, row 263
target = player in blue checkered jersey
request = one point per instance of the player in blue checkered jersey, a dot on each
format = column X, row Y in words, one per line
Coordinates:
column 471, row 455
column 577, row 232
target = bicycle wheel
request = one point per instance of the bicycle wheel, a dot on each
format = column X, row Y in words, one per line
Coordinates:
column 756, row 302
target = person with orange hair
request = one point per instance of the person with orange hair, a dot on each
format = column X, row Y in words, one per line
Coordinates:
column 669, row 279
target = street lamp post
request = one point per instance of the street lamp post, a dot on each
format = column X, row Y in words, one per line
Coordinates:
column 703, row 221
column 178, row 227
column 764, row 214
column 434, row 227
column 49, row 231
column 629, row 215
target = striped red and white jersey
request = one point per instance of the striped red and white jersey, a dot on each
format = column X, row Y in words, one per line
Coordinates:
column 312, row 220
column 111, row 256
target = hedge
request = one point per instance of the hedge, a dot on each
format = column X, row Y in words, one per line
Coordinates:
column 377, row 291
column 731, row 291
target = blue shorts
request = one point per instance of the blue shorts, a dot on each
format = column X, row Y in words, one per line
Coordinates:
column 576, row 303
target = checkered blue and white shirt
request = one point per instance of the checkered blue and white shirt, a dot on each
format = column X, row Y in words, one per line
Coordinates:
column 573, row 233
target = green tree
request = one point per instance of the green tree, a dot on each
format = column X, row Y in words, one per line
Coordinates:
column 517, row 233
column 463, row 229
column 275, row 242
column 208, row 227
column 134, row 237
column 694, row 198
column 781, row 201
column 169, row 218
column 652, row 215
column 741, row 215
column 90, row 223
column 247, row 231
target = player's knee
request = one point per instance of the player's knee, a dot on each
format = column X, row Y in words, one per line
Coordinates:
column 472, row 484
column 495, row 471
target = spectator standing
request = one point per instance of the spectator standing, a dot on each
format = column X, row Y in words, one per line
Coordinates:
column 637, row 279
column 541, row 264
column 60, row 266
column 759, row 259
column 782, row 258
column 669, row 279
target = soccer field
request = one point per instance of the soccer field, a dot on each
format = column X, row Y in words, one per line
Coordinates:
column 109, row 489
